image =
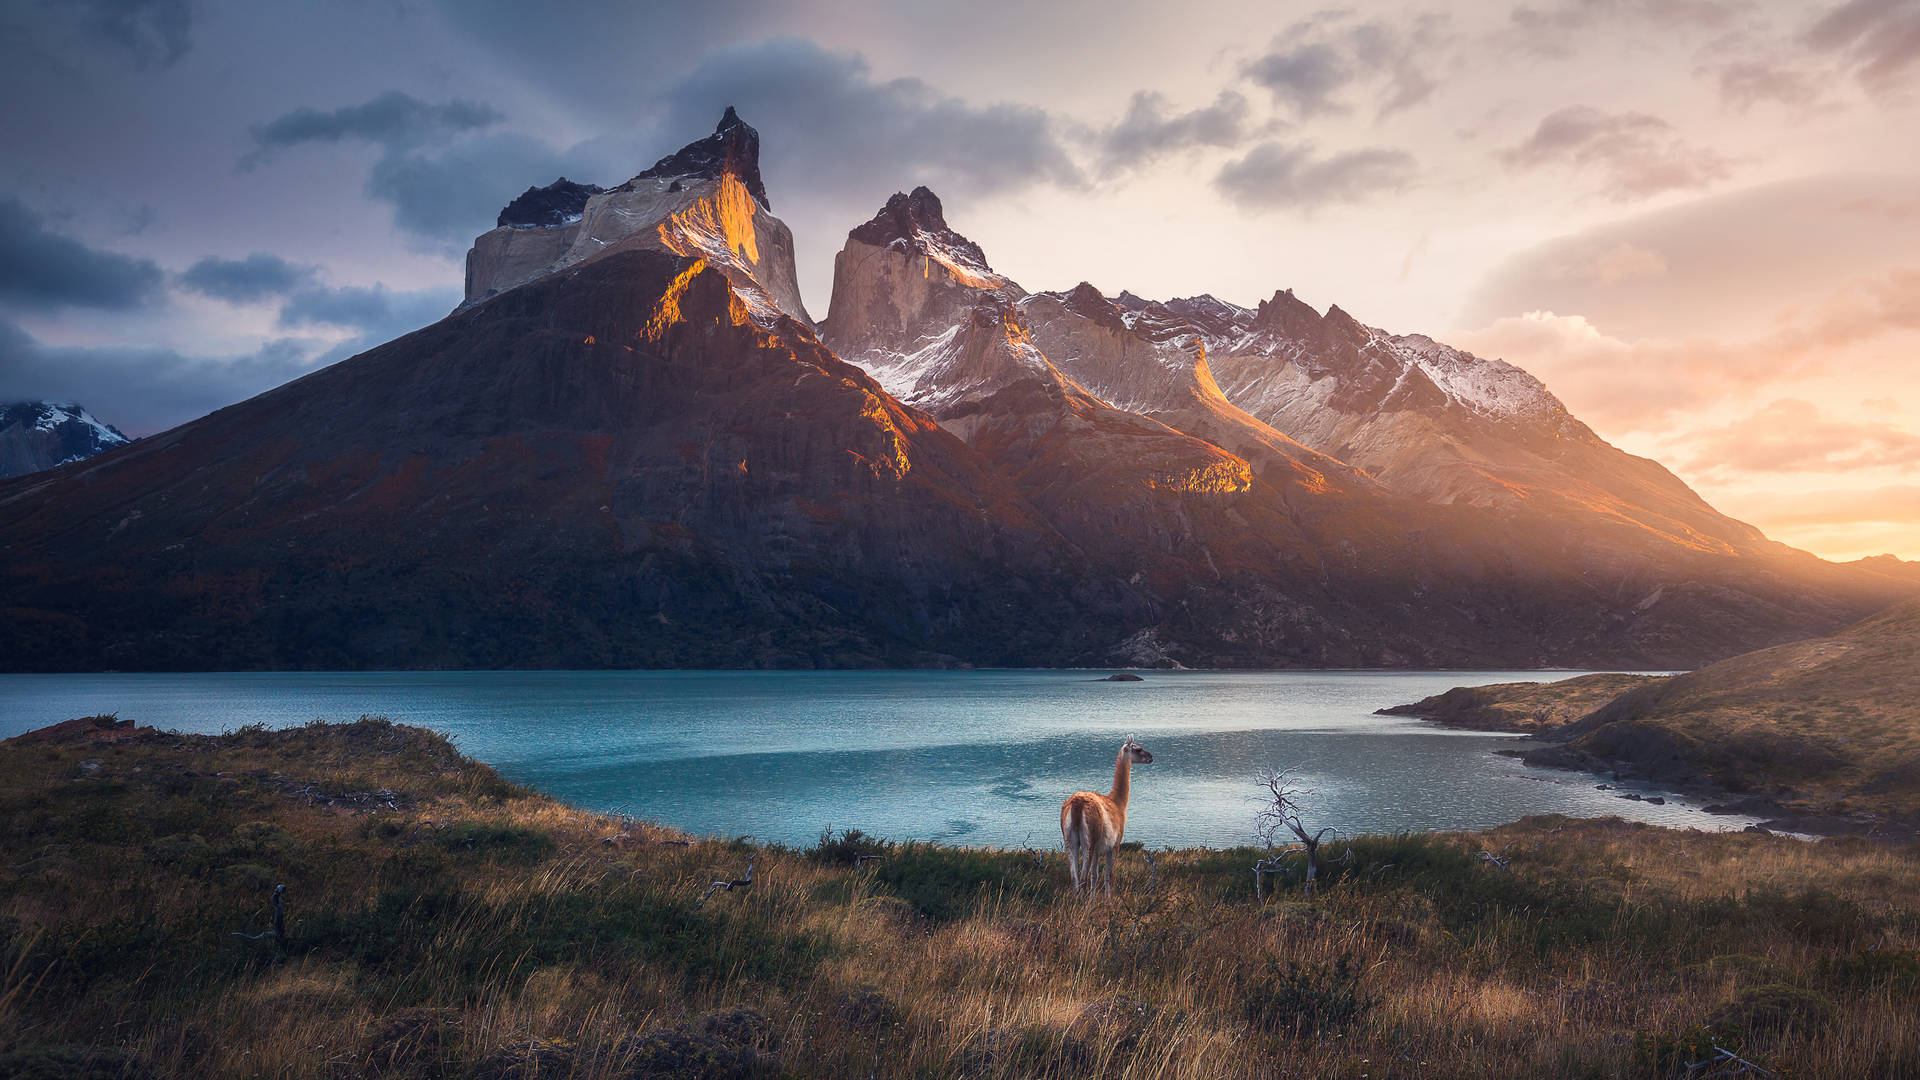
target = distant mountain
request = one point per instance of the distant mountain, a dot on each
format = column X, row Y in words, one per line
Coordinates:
column 37, row 435
column 630, row 447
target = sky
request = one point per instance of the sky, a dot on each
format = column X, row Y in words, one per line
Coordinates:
column 1698, row 221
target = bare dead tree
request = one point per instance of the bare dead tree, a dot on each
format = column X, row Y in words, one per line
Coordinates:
column 279, row 931
column 1279, row 822
column 741, row 882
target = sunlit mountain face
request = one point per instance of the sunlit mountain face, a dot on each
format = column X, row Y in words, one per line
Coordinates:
column 1692, row 224
column 631, row 446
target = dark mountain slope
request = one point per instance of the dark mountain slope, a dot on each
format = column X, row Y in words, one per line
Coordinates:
column 610, row 466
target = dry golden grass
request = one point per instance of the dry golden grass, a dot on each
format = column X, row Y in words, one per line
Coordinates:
column 481, row 930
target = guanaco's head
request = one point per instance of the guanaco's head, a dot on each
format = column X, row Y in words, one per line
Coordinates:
column 1136, row 753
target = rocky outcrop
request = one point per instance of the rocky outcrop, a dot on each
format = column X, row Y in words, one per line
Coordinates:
column 38, row 435
column 559, row 203
column 705, row 201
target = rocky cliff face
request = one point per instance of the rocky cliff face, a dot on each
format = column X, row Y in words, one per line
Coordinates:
column 38, row 435
column 706, row 201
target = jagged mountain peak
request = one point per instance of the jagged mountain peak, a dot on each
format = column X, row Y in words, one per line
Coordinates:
column 916, row 223
column 556, row 204
column 705, row 201
column 733, row 148
column 1287, row 314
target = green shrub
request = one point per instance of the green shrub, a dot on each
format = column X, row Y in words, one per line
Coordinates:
column 944, row 884
column 1774, row 1008
column 1309, row 1000
column 847, row 847
column 495, row 841
column 1873, row 969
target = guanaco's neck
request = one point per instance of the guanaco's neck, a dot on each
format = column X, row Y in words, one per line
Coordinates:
column 1122, row 773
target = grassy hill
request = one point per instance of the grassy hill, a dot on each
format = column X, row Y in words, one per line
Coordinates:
column 443, row 922
column 1537, row 708
column 1828, row 727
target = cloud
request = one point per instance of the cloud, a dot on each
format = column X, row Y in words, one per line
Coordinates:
column 1792, row 435
column 1305, row 77
column 1878, row 39
column 1557, row 29
column 1748, row 82
column 1313, row 64
column 1731, row 259
column 143, row 390
column 41, row 268
column 377, row 312
column 394, row 120
column 445, row 180
column 245, row 281
column 1621, row 262
column 1648, row 384
column 827, row 120
column 1148, row 133
column 1637, row 153
column 1273, row 175
column 1890, row 504
column 151, row 31
column 453, row 194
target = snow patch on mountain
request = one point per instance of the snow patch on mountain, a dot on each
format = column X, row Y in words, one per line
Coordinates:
column 37, row 435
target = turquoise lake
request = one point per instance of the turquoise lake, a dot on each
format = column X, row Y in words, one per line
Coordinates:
column 964, row 757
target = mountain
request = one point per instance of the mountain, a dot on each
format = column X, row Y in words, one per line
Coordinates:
column 1448, row 427
column 631, row 447
column 37, row 435
column 1396, row 452
column 706, row 201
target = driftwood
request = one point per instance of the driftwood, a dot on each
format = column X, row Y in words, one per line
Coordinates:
column 1499, row 861
column 741, row 882
column 862, row 860
column 279, row 931
column 1725, row 1063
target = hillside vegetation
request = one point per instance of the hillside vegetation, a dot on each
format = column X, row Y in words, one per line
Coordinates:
column 1828, row 726
column 443, row 922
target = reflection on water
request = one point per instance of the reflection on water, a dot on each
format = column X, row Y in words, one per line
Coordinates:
column 977, row 757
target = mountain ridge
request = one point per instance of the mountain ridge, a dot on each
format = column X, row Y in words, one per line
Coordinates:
column 630, row 447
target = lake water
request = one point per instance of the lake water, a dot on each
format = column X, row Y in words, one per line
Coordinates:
column 968, row 757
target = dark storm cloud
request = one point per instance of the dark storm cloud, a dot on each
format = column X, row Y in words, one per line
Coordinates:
column 453, row 194
column 444, row 180
column 245, row 281
column 42, row 268
column 394, row 120
column 610, row 57
column 835, row 125
column 1637, row 154
column 1275, row 176
column 377, row 312
column 1880, row 39
column 1148, row 132
column 142, row 390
